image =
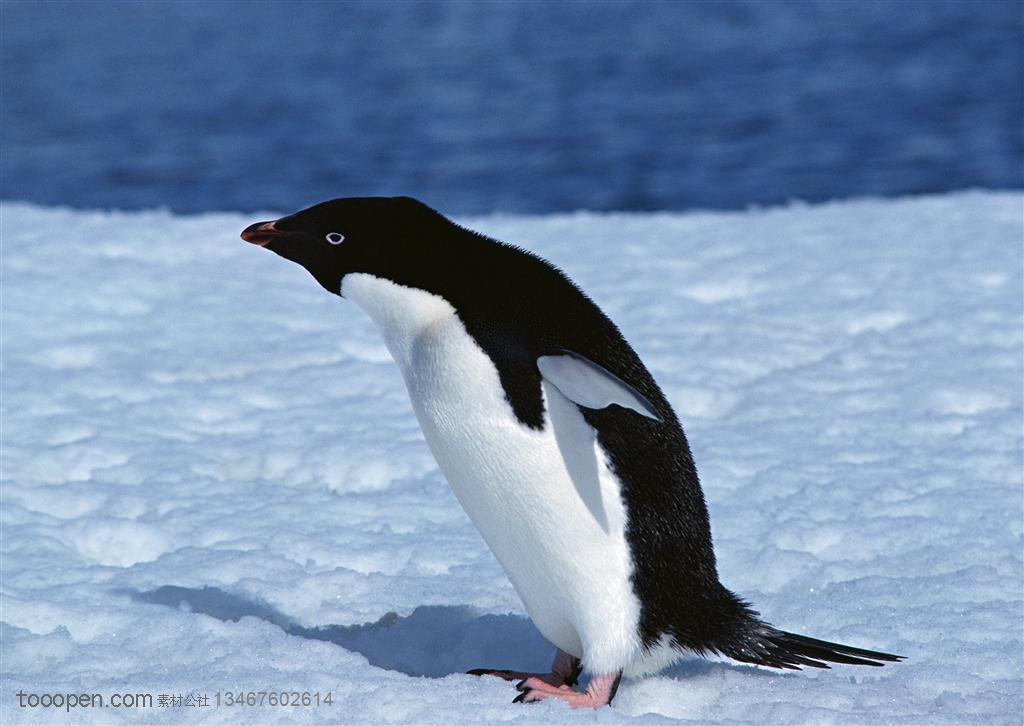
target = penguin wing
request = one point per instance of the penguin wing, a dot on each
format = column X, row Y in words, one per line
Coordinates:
column 589, row 385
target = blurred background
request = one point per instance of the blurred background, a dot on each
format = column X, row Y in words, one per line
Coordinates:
column 479, row 107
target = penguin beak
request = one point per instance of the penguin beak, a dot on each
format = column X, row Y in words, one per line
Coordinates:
column 261, row 233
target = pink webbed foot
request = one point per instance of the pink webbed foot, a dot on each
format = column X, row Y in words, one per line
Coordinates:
column 600, row 691
column 565, row 671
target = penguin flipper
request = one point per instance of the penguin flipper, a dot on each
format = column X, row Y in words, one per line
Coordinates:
column 590, row 385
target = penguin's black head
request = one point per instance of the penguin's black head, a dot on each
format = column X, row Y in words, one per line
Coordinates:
column 358, row 234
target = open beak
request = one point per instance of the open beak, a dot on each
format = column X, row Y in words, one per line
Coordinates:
column 261, row 233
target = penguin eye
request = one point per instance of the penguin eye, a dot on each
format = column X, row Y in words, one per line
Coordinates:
column 335, row 238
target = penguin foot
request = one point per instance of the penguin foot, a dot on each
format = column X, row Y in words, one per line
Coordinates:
column 600, row 691
column 565, row 671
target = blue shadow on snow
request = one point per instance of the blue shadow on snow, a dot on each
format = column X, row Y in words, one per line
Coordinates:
column 432, row 641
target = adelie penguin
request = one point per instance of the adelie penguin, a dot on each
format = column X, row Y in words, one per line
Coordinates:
column 554, row 437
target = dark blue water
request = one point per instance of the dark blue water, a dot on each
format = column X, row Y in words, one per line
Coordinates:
column 485, row 106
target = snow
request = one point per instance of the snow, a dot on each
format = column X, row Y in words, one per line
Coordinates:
column 213, row 479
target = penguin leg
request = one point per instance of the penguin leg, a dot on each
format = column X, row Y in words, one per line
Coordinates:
column 565, row 671
column 600, row 691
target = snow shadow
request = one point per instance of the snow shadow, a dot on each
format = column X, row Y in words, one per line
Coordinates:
column 432, row 641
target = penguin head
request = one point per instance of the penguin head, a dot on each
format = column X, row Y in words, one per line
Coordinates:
column 378, row 235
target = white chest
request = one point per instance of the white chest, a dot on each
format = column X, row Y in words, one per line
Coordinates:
column 544, row 501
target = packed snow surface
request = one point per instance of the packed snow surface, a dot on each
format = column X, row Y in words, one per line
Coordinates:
column 213, row 480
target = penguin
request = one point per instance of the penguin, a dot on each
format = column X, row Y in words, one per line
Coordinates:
column 555, row 439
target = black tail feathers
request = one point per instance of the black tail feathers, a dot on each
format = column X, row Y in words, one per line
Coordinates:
column 727, row 625
column 764, row 645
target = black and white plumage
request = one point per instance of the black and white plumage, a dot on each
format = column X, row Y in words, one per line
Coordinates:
column 554, row 437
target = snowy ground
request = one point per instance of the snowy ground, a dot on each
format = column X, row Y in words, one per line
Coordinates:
column 213, row 480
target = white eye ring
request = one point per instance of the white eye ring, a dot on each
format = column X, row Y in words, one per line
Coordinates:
column 335, row 238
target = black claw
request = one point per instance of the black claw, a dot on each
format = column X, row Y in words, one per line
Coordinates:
column 520, row 698
column 615, row 688
column 573, row 678
column 486, row 671
column 519, row 686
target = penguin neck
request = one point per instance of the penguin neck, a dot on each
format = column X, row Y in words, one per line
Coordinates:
column 404, row 315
